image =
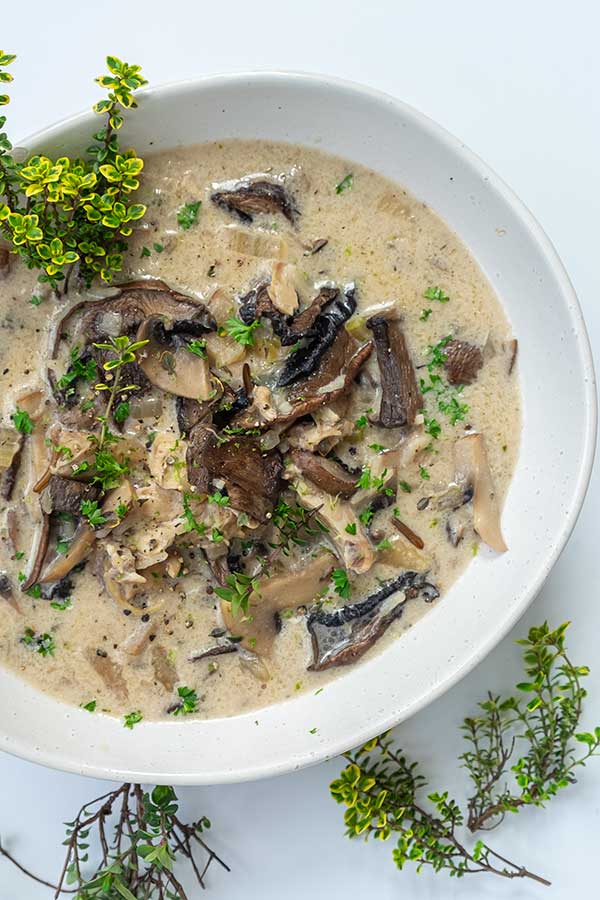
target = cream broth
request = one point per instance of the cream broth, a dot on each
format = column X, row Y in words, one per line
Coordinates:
column 125, row 629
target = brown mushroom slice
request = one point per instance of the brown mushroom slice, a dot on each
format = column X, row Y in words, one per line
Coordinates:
column 125, row 311
column 64, row 495
column 61, row 564
column 355, row 550
column 40, row 549
column 252, row 477
column 400, row 396
column 138, row 639
column 282, row 290
column 473, row 472
column 324, row 473
column 168, row 363
column 11, row 447
column 463, row 362
column 109, row 671
column 248, row 198
column 299, row 587
column 258, row 304
column 343, row 636
column 6, row 592
column 163, row 668
column 513, row 349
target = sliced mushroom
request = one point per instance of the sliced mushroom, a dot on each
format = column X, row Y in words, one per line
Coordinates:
column 463, row 362
column 355, row 550
column 400, row 396
column 298, row 587
column 6, row 592
column 247, row 198
column 252, row 478
column 65, row 495
column 11, row 447
column 40, row 548
column 257, row 304
column 305, row 360
column 163, row 668
column 168, row 362
column 324, row 473
column 473, row 472
column 61, row 564
column 343, row 636
column 124, row 312
column 282, row 290
column 109, row 671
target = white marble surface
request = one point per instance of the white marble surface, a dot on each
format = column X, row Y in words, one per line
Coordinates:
column 517, row 82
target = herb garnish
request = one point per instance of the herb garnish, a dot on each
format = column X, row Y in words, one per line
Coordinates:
column 187, row 215
column 62, row 212
column 240, row 588
column 341, row 583
column 40, row 643
column 345, row 184
column 436, row 293
column 382, row 789
column 22, row 421
column 132, row 719
column 91, row 511
column 90, row 706
column 188, row 704
column 243, row 334
column 198, row 348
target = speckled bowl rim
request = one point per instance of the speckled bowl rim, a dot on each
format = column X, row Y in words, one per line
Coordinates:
column 303, row 752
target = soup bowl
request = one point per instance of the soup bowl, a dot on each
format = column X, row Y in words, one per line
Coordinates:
column 552, row 473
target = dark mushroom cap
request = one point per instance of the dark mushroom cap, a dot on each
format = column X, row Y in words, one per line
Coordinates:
column 247, row 199
column 463, row 362
column 400, row 397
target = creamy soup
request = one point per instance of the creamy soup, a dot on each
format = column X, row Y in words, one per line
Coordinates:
column 302, row 455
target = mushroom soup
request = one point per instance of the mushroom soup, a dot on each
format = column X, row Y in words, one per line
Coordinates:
column 264, row 454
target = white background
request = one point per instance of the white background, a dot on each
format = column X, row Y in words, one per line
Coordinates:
column 517, row 81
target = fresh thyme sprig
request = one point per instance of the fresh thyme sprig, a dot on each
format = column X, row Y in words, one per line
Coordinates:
column 61, row 212
column 138, row 861
column 383, row 791
column 124, row 352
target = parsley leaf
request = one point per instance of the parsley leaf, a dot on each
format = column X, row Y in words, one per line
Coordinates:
column 22, row 421
column 424, row 473
column 425, row 313
column 91, row 511
column 436, row 293
column 90, row 706
column 187, row 215
column 345, row 184
column 243, row 334
column 341, row 583
column 132, row 719
column 189, row 702
column 198, row 348
column 351, row 528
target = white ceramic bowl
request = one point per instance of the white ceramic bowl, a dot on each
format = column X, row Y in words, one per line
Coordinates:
column 559, row 430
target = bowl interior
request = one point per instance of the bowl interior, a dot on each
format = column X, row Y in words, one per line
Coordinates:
column 545, row 497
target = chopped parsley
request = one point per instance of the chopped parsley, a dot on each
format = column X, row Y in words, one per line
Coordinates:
column 90, row 706
column 378, row 448
column 158, row 247
column 217, row 536
column 383, row 545
column 425, row 313
column 145, row 252
column 345, row 184
column 35, row 300
column 432, row 427
column 198, row 348
column 189, row 702
column 109, row 471
column 187, row 215
column 132, row 719
column 121, row 511
column 351, row 528
column 366, row 516
column 40, row 643
column 424, row 473
column 341, row 583
column 192, row 523
column 405, row 486
column 61, row 604
column 35, row 591
column 62, row 547
column 92, row 512
column 436, row 293
column 22, row 421
column 365, row 479
column 78, row 368
column 243, row 334
column 218, row 498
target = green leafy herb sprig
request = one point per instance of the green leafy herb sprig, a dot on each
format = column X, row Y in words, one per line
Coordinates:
column 447, row 398
column 138, row 860
column 58, row 213
column 522, row 751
